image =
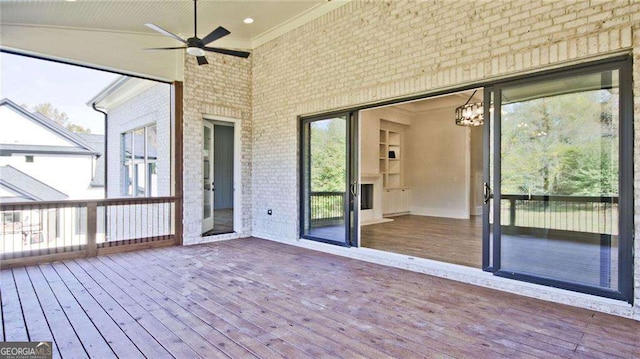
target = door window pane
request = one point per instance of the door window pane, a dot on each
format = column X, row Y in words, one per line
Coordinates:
column 325, row 179
column 559, row 179
column 206, row 173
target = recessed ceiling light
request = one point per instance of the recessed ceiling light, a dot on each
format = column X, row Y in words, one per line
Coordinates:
column 248, row 20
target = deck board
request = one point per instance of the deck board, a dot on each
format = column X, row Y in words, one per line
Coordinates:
column 397, row 298
column 3, row 335
column 14, row 327
column 152, row 317
column 254, row 298
column 113, row 334
column 201, row 302
column 91, row 339
column 273, row 314
column 135, row 331
column 389, row 310
column 36, row 323
column 399, row 346
column 203, row 338
column 266, row 320
column 66, row 338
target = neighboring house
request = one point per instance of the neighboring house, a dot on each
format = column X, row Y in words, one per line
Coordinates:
column 97, row 143
column 41, row 161
column 17, row 186
column 138, row 137
column 23, row 228
column 48, row 152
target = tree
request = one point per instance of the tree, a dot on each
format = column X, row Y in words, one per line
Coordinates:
column 328, row 156
column 59, row 117
column 561, row 145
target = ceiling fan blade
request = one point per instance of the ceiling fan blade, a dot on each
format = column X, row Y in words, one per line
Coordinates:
column 242, row 54
column 165, row 32
column 166, row 48
column 215, row 35
column 202, row 60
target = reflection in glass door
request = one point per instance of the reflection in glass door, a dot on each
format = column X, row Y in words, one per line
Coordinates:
column 327, row 192
column 558, row 182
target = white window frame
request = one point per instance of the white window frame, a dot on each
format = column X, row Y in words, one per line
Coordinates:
column 129, row 166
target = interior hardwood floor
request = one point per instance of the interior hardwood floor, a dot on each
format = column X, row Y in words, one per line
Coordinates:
column 252, row 298
column 449, row 240
column 222, row 222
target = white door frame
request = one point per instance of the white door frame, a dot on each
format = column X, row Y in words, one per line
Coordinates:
column 237, row 167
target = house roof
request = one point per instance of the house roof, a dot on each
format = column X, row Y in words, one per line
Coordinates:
column 81, row 146
column 119, row 91
column 26, row 187
column 97, row 143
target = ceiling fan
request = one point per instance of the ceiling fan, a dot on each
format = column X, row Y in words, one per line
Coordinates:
column 196, row 46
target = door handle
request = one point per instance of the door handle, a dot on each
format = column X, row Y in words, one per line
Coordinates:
column 354, row 188
column 487, row 193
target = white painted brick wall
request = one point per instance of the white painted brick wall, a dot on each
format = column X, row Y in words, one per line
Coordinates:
column 150, row 106
column 367, row 51
column 222, row 88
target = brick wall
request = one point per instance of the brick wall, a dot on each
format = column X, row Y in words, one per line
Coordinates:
column 365, row 52
column 222, row 88
column 150, row 106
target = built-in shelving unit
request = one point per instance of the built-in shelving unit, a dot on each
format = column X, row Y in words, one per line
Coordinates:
column 391, row 158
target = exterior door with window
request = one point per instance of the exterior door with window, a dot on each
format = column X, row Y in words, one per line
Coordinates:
column 562, row 180
column 328, row 178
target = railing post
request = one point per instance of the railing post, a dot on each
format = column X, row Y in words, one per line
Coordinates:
column 92, row 228
column 512, row 212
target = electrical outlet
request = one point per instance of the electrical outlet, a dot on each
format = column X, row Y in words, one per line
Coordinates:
column 269, row 211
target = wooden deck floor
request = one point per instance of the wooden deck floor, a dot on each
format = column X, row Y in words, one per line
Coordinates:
column 254, row 298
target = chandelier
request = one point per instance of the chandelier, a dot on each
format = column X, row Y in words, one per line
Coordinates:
column 470, row 114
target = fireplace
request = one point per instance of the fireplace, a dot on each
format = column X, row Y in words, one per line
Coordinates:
column 371, row 199
column 366, row 196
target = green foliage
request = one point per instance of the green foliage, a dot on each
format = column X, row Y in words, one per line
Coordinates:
column 61, row 118
column 77, row 128
column 328, row 151
column 561, row 145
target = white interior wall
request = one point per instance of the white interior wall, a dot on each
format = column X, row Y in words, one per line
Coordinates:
column 437, row 165
column 370, row 134
column 369, row 140
column 476, row 149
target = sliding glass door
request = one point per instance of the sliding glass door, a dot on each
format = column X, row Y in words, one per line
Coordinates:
column 562, row 194
column 328, row 179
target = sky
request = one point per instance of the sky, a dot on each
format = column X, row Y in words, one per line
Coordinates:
column 30, row 81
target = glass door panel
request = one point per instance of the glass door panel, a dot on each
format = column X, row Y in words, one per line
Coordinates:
column 325, row 180
column 207, row 178
column 557, row 190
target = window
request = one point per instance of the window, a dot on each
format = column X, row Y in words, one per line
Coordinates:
column 28, row 159
column 139, row 157
column 10, row 217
